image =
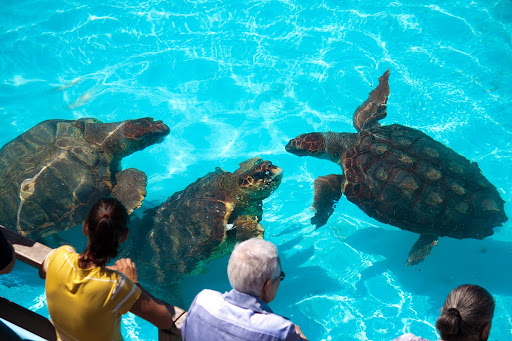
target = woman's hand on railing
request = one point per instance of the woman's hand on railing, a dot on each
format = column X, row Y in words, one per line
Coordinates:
column 126, row 267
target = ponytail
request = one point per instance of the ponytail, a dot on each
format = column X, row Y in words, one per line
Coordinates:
column 466, row 310
column 449, row 323
column 106, row 223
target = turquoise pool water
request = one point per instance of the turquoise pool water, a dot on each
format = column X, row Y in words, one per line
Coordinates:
column 237, row 79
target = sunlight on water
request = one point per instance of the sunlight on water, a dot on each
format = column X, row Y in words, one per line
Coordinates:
column 238, row 79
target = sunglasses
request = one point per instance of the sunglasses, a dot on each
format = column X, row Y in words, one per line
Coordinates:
column 282, row 276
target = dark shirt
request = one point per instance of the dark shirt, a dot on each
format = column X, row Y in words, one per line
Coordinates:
column 5, row 251
column 234, row 316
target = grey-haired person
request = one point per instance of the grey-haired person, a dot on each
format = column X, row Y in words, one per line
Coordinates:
column 255, row 273
column 466, row 316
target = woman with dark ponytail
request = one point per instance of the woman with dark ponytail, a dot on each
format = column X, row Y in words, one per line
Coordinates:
column 86, row 298
column 466, row 316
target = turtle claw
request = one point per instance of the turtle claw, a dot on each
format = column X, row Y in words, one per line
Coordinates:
column 320, row 218
column 247, row 227
column 421, row 249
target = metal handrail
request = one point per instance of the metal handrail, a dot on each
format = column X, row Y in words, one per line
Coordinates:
column 34, row 254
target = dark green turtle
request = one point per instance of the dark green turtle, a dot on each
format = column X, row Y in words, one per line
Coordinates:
column 402, row 177
column 54, row 172
column 204, row 220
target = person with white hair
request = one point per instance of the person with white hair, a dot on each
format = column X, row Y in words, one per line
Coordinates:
column 255, row 273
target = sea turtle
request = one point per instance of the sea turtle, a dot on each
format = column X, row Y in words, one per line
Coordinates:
column 402, row 177
column 204, row 220
column 54, row 172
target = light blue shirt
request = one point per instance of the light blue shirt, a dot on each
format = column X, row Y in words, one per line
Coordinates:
column 410, row 337
column 234, row 316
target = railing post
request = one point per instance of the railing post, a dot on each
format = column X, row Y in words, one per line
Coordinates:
column 168, row 335
column 173, row 334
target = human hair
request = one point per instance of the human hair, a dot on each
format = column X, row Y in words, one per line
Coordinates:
column 466, row 310
column 106, row 222
column 252, row 263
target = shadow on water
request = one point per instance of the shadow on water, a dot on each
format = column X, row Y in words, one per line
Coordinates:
column 452, row 262
column 214, row 276
column 304, row 279
column 302, row 283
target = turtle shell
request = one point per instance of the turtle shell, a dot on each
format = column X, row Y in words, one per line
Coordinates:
column 50, row 158
column 190, row 224
column 402, row 177
column 52, row 174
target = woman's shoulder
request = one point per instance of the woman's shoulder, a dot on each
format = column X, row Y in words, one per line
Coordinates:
column 59, row 255
column 64, row 249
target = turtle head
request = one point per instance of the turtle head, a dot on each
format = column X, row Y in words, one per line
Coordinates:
column 144, row 132
column 127, row 137
column 328, row 145
column 258, row 178
column 311, row 144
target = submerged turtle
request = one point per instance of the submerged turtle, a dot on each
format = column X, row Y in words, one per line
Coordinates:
column 54, row 172
column 205, row 220
column 402, row 177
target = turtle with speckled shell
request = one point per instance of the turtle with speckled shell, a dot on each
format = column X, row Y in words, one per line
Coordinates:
column 52, row 174
column 402, row 177
column 205, row 220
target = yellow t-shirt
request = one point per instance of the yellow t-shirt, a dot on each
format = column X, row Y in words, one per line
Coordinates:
column 86, row 304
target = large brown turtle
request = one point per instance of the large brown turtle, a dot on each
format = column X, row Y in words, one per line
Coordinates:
column 402, row 177
column 204, row 220
column 54, row 172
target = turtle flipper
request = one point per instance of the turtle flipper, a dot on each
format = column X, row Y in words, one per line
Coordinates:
column 421, row 249
column 328, row 190
column 130, row 188
column 374, row 108
column 255, row 210
column 247, row 227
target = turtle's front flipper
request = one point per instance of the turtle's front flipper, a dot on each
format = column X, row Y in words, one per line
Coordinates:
column 130, row 188
column 247, row 227
column 255, row 210
column 421, row 249
column 374, row 108
column 328, row 191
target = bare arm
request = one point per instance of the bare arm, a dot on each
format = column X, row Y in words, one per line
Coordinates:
column 301, row 334
column 151, row 310
column 146, row 307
